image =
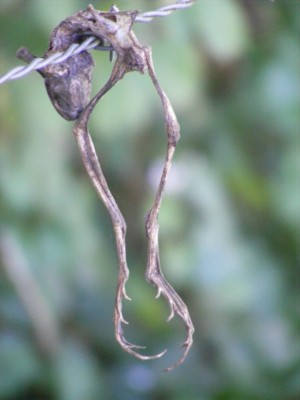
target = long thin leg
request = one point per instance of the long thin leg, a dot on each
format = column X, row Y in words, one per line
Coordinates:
column 96, row 175
column 153, row 271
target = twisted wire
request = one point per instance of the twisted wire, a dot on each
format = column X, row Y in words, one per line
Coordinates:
column 90, row 43
column 164, row 11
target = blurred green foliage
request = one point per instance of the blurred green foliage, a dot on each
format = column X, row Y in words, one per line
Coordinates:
column 229, row 220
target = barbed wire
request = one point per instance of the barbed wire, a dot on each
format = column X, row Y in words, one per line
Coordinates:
column 90, row 43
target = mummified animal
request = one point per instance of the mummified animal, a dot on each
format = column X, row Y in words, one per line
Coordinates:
column 68, row 84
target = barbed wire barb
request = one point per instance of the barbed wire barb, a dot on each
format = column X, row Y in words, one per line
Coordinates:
column 90, row 43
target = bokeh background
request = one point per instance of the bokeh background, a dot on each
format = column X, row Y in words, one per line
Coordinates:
column 229, row 224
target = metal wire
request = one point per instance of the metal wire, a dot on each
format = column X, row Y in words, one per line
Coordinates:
column 164, row 11
column 89, row 44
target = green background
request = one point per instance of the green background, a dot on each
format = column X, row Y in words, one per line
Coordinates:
column 229, row 224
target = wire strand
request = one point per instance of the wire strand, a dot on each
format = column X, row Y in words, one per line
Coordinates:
column 90, row 43
column 164, row 11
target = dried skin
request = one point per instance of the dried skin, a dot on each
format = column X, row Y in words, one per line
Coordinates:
column 115, row 28
column 68, row 83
